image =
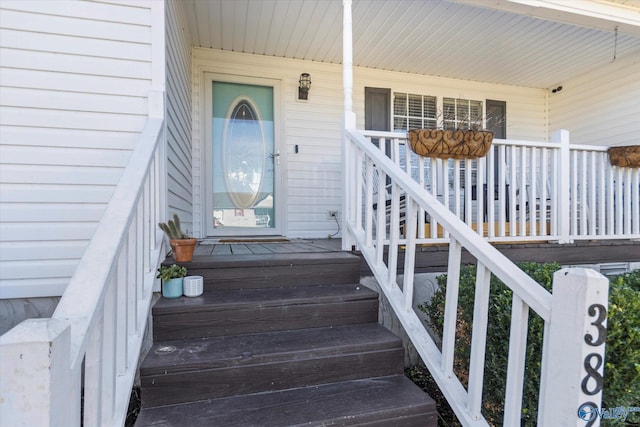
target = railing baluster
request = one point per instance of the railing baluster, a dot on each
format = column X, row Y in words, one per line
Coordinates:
column 525, row 205
column 456, row 187
column 446, row 200
column 516, row 364
column 602, row 195
column 122, row 316
column 369, row 202
column 451, row 308
column 410, row 252
column 491, row 194
column 627, row 202
column 480, row 196
column 478, row 340
column 502, row 206
column 619, row 202
column 584, row 204
column 514, row 195
column 555, row 192
column 592, row 194
column 611, row 201
column 394, row 231
column 109, row 350
column 468, row 204
column 533, row 192
column 434, row 191
column 421, row 212
column 92, row 413
column 359, row 186
column 132, row 291
column 544, row 159
column 381, row 223
column 635, row 202
column 575, row 211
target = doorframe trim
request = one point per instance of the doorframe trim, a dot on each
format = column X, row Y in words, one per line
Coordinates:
column 204, row 173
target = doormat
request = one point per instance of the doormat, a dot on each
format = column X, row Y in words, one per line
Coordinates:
column 255, row 240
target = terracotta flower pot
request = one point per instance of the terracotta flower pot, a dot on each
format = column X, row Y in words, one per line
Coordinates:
column 450, row 144
column 183, row 249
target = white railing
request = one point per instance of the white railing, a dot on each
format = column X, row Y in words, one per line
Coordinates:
column 577, row 304
column 81, row 363
column 540, row 191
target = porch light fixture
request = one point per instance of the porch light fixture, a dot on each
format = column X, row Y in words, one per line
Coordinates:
column 305, row 85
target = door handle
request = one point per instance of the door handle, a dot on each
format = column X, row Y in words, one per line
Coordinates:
column 275, row 156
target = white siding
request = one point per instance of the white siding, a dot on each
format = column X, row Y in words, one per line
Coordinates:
column 601, row 107
column 74, row 79
column 178, row 87
column 312, row 177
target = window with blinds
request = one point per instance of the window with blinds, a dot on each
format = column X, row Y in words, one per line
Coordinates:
column 462, row 114
column 412, row 111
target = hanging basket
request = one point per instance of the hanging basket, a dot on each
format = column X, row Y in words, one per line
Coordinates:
column 625, row 157
column 450, row 144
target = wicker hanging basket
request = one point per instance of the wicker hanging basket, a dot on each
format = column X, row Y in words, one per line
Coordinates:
column 626, row 157
column 450, row 144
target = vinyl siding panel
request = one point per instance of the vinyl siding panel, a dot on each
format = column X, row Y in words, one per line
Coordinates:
column 601, row 107
column 178, row 68
column 74, row 79
column 313, row 176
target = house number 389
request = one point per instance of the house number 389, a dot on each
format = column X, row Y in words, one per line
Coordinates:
column 593, row 361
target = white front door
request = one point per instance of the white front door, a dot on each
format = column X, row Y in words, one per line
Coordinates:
column 243, row 157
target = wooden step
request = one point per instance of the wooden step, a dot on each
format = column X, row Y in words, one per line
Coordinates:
column 385, row 401
column 275, row 270
column 239, row 311
column 198, row 369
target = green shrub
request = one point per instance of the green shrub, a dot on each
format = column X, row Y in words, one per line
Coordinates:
column 622, row 357
column 622, row 371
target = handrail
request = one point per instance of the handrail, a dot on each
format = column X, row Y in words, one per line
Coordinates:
column 532, row 293
column 575, row 293
column 101, row 255
column 96, row 332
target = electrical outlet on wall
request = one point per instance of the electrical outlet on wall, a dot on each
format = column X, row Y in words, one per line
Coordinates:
column 333, row 214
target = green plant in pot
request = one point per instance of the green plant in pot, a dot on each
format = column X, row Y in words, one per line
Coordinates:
column 182, row 245
column 172, row 277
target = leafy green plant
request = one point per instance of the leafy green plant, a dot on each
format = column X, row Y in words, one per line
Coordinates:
column 174, row 271
column 172, row 228
column 622, row 369
column 622, row 356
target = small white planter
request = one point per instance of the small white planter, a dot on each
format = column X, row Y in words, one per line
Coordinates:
column 192, row 286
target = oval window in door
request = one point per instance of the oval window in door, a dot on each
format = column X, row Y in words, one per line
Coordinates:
column 244, row 153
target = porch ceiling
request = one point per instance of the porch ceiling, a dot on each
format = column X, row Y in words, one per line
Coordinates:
column 473, row 40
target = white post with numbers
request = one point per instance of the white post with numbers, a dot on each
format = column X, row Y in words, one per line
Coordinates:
column 573, row 350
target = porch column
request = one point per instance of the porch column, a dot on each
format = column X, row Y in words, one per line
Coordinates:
column 349, row 121
column 347, row 66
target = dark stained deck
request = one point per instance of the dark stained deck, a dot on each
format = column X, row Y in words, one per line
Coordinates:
column 434, row 258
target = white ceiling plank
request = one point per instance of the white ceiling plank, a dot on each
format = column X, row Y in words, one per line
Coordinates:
column 601, row 15
column 464, row 39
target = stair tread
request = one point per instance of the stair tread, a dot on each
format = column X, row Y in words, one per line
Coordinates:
column 374, row 401
column 267, row 347
column 271, row 260
column 265, row 297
